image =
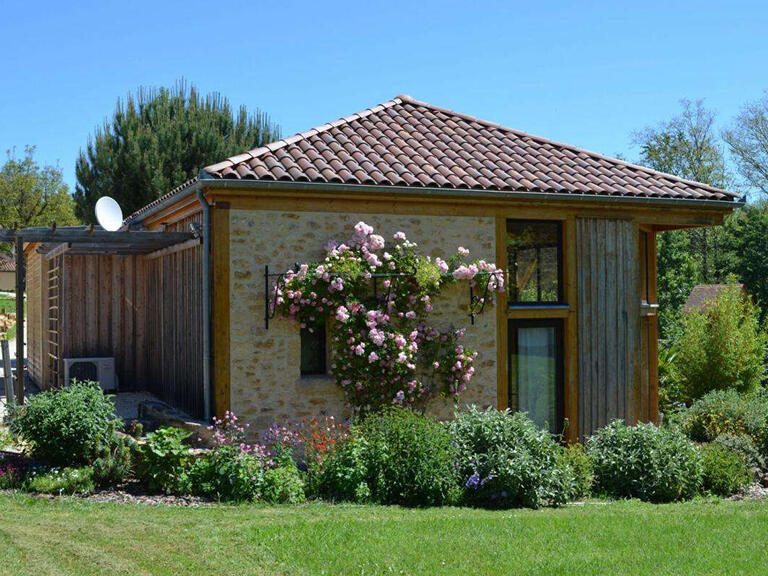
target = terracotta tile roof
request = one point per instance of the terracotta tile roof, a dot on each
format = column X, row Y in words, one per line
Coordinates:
column 160, row 200
column 704, row 295
column 7, row 264
column 404, row 142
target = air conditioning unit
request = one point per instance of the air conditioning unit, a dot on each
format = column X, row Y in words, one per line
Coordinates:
column 101, row 370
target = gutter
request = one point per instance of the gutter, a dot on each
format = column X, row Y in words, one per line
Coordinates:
column 206, row 296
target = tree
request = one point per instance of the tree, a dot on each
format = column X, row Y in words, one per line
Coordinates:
column 746, row 240
column 748, row 142
column 31, row 195
column 721, row 347
column 686, row 146
column 158, row 139
column 678, row 273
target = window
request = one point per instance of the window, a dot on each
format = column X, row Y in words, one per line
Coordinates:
column 536, row 371
column 534, row 257
column 313, row 351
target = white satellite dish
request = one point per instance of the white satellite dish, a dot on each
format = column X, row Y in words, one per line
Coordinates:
column 109, row 214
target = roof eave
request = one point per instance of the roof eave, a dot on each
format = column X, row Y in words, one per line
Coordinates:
column 209, row 182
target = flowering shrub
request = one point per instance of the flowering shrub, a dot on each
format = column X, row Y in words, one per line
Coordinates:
column 728, row 412
column 376, row 304
column 319, row 437
column 234, row 468
column 238, row 470
column 60, row 480
column 504, row 461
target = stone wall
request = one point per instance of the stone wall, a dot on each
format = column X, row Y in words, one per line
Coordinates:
column 266, row 384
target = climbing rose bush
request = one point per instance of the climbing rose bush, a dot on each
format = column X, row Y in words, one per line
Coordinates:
column 376, row 299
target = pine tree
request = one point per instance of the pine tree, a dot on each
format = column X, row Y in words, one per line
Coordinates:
column 158, row 139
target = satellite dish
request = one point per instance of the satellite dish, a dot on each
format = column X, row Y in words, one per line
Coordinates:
column 108, row 214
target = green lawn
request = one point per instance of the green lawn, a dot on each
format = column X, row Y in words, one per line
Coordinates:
column 77, row 537
column 9, row 305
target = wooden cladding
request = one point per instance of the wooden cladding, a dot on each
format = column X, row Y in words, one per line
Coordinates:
column 174, row 329
column 145, row 311
column 102, row 310
column 609, row 343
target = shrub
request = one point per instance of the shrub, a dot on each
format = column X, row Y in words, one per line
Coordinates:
column 505, row 460
column 575, row 457
column 227, row 474
column 319, row 437
column 13, row 468
column 67, row 426
column 113, row 466
column 234, row 469
column 744, row 446
column 393, row 457
column 645, row 462
column 164, row 461
column 283, row 485
column 61, row 481
column 721, row 348
column 343, row 474
column 728, row 412
column 725, row 472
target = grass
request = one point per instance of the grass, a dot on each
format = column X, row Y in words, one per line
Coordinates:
column 9, row 305
column 72, row 536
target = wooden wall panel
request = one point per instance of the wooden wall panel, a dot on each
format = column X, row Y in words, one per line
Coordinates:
column 172, row 334
column 609, row 314
column 37, row 278
column 146, row 311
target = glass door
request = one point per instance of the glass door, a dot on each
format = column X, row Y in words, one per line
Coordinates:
column 536, row 371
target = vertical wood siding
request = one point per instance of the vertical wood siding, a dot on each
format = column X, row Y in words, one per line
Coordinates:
column 608, row 312
column 36, row 279
column 173, row 333
column 146, row 311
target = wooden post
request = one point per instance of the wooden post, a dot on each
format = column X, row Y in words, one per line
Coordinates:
column 10, row 396
column 20, row 277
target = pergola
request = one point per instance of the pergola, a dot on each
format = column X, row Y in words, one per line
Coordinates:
column 78, row 240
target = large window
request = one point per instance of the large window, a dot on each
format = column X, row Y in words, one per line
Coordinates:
column 534, row 258
column 536, row 371
column 313, row 350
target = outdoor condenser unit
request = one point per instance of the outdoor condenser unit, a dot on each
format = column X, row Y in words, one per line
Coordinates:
column 101, row 370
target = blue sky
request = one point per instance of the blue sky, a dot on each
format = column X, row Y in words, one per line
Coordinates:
column 586, row 73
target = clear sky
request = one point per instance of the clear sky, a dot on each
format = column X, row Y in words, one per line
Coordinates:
column 586, row 73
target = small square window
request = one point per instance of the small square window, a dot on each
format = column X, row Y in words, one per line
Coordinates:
column 534, row 257
column 313, row 350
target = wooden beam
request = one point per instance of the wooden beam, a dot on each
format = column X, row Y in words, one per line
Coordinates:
column 502, row 346
column 220, row 317
column 81, row 235
column 571, row 330
column 57, row 251
column 20, row 281
column 175, row 248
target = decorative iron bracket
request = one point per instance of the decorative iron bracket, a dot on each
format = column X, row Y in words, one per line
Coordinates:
column 478, row 301
column 271, row 291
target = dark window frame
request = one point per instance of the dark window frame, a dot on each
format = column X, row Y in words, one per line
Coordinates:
column 321, row 336
column 511, row 303
column 513, row 324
